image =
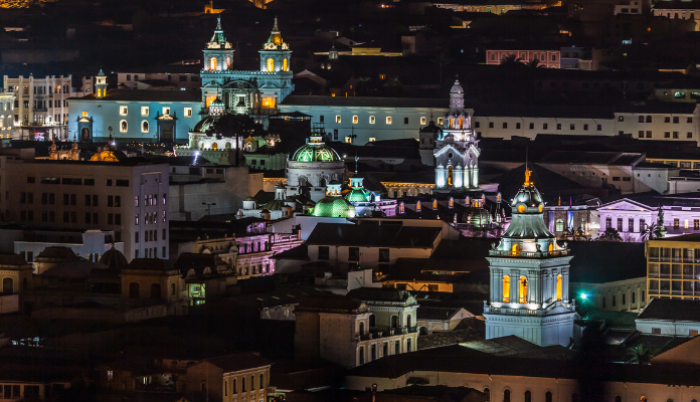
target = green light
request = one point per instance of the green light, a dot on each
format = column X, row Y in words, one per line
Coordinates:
column 584, row 296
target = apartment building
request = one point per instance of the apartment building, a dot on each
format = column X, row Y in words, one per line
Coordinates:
column 673, row 267
column 129, row 198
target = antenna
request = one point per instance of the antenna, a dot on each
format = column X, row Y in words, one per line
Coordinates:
column 357, row 158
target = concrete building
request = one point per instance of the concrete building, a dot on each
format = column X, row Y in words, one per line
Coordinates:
column 686, row 10
column 129, row 198
column 676, row 318
column 672, row 272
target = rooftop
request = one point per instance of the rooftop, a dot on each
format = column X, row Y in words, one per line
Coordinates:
column 373, row 236
column 671, row 309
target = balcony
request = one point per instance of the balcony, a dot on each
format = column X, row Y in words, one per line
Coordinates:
column 529, row 254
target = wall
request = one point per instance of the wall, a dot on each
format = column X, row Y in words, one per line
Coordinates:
column 9, row 304
column 187, row 198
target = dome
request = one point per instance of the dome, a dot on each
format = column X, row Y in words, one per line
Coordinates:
column 527, row 200
column 114, row 259
column 358, row 195
column 457, row 88
column 477, row 217
column 334, row 207
column 274, row 205
column 205, row 124
column 527, row 220
column 316, row 153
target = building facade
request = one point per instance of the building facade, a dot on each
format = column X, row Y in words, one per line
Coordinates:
column 672, row 272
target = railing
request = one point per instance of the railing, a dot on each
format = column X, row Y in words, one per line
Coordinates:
column 528, row 254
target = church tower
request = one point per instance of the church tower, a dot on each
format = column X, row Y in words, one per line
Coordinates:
column 218, row 54
column 457, row 149
column 275, row 59
column 100, row 85
column 530, row 278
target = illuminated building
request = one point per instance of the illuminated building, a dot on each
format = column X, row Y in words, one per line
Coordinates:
column 7, row 105
column 550, row 58
column 366, row 201
column 334, row 205
column 457, row 149
column 313, row 166
column 529, row 278
column 255, row 93
column 672, row 269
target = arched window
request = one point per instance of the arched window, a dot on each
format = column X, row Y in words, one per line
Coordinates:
column 123, row 126
column 506, row 395
column 643, row 399
column 408, row 345
column 155, row 291
column 487, row 392
column 401, row 208
column 408, row 321
column 372, row 321
column 548, row 397
column 449, row 175
column 7, row 286
column 551, row 247
column 228, row 145
column 506, row 289
column 270, row 65
column 435, row 204
column 618, row 398
column 214, row 146
column 212, row 63
column 394, row 321
column 461, row 122
column 559, row 289
column 262, row 381
column 560, row 225
column 418, row 206
column 285, row 66
column 134, row 290
column 523, row 289
column 515, row 248
column 201, row 145
column 362, row 328
column 451, row 123
column 669, row 400
column 144, row 126
column 228, row 63
column 528, row 396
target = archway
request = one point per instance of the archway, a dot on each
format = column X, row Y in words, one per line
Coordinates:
column 7, row 286
column 270, row 65
column 215, row 146
column 449, row 176
column 523, row 289
column 506, row 289
column 285, row 66
column 85, row 134
column 559, row 288
column 212, row 63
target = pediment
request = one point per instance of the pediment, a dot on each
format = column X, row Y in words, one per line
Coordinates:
column 624, row 205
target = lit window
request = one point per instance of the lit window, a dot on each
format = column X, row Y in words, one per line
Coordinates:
column 388, row 120
column 348, row 140
column 85, row 114
column 123, row 110
column 372, row 139
column 144, row 111
column 166, row 111
column 188, row 112
column 355, row 119
column 123, row 126
column 423, row 121
column 144, row 126
column 440, row 121
column 506, row 289
column 371, row 119
column 337, row 119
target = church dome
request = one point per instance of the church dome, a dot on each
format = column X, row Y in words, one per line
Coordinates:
column 477, row 217
column 334, row 207
column 114, row 259
column 316, row 153
column 205, row 124
column 527, row 200
column 358, row 195
column 527, row 221
column 457, row 88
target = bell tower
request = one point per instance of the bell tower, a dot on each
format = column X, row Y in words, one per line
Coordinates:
column 275, row 65
column 530, row 278
column 100, row 85
column 218, row 53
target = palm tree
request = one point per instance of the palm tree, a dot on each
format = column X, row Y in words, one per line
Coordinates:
column 235, row 125
column 534, row 63
column 640, row 354
column 393, row 86
column 363, row 85
column 511, row 61
column 610, row 234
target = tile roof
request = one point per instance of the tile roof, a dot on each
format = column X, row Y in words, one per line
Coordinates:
column 671, row 309
column 12, row 259
column 373, row 236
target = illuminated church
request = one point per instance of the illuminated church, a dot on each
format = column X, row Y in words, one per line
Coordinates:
column 254, row 93
column 530, row 278
column 456, row 148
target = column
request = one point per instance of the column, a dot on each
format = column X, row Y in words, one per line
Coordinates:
column 20, row 102
column 467, row 176
column 31, row 102
column 457, row 176
column 475, row 176
column 565, row 284
column 440, row 177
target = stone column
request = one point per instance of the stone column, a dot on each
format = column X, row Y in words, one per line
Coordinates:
column 475, row 176
column 457, row 176
column 440, row 176
column 565, row 284
column 467, row 176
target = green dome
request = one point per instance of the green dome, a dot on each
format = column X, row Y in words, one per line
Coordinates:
column 316, row 153
column 477, row 217
column 334, row 207
column 358, row 195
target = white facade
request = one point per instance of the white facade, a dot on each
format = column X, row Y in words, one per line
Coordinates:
column 129, row 199
column 631, row 217
column 672, row 328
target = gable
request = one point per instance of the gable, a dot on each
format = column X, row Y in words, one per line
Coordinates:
column 624, row 205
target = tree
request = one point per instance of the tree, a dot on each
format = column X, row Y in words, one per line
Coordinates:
column 639, row 354
column 653, row 231
column 511, row 61
column 393, row 86
column 363, row 86
column 534, row 63
column 610, row 234
column 236, row 125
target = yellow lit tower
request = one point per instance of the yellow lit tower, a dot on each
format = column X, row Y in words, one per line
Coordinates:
column 275, row 59
column 530, row 278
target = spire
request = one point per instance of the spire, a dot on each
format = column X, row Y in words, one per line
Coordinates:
column 101, row 73
column 275, row 28
column 275, row 40
column 527, row 177
column 218, row 40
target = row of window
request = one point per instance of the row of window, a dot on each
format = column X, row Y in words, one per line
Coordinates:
column 145, row 110
column 353, row 254
column 675, row 15
column 674, row 287
column 150, row 235
column 666, row 254
column 642, row 226
column 524, row 57
column 385, row 350
column 234, row 384
column 667, row 119
column 40, row 90
column 633, row 297
column 27, row 215
column 151, row 253
column 181, row 78
column 90, row 200
column 545, row 126
column 156, row 293
column 149, row 218
column 667, row 134
column 373, row 120
column 76, row 181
